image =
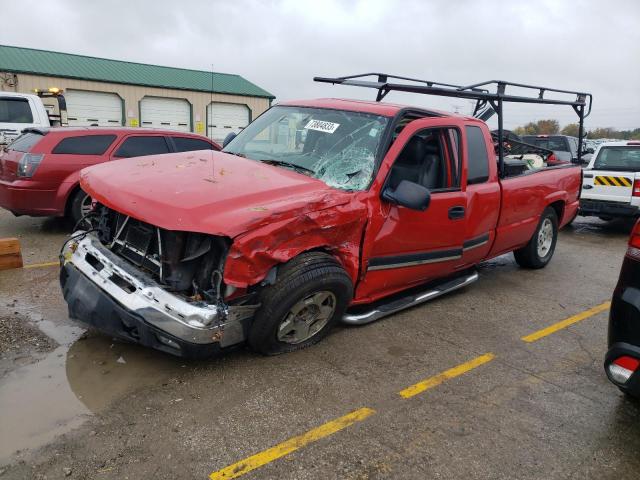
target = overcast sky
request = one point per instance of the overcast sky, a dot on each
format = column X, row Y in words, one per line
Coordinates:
column 280, row 45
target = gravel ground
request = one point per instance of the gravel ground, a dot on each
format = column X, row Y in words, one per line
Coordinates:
column 20, row 342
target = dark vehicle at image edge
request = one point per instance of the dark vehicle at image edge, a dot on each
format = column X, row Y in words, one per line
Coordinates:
column 622, row 361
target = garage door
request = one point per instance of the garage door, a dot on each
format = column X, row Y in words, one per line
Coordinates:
column 223, row 118
column 167, row 113
column 86, row 108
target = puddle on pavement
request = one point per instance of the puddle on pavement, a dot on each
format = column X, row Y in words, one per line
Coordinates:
column 83, row 376
column 37, row 404
column 594, row 225
column 501, row 261
column 100, row 370
column 58, row 391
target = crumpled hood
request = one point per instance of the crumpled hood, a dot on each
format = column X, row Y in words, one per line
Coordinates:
column 208, row 192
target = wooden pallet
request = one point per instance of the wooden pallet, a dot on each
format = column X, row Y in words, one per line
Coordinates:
column 10, row 255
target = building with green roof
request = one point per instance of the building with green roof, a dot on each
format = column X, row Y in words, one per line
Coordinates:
column 101, row 91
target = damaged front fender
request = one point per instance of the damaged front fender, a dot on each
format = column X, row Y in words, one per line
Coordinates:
column 337, row 230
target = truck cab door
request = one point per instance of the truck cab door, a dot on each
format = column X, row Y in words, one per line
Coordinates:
column 405, row 247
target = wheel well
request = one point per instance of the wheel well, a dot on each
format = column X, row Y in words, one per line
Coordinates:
column 328, row 251
column 559, row 208
column 270, row 277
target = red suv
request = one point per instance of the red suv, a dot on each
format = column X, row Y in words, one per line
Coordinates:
column 39, row 171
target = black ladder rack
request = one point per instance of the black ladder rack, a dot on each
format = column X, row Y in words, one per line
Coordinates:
column 489, row 97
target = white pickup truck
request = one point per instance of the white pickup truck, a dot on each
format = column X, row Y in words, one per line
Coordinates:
column 24, row 110
column 611, row 181
column 19, row 111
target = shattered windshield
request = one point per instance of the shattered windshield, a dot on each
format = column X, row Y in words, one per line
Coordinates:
column 335, row 146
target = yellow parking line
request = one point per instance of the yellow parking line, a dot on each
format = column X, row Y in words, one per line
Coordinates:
column 291, row 445
column 39, row 265
column 446, row 375
column 565, row 323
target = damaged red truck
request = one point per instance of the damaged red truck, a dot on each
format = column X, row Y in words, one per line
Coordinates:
column 317, row 212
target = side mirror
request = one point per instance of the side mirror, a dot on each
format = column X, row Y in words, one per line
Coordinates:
column 588, row 150
column 408, row 194
column 228, row 139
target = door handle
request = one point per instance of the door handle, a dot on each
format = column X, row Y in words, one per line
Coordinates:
column 587, row 187
column 456, row 213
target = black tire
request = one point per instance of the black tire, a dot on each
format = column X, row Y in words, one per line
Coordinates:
column 530, row 255
column 299, row 279
column 75, row 206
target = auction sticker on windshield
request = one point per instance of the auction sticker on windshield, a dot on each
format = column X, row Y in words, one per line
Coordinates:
column 319, row 125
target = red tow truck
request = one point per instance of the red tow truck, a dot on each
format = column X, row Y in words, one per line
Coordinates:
column 319, row 211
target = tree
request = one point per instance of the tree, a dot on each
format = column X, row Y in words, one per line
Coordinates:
column 551, row 127
column 572, row 130
column 548, row 127
column 607, row 132
column 541, row 127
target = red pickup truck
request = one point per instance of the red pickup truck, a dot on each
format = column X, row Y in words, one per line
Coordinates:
column 318, row 211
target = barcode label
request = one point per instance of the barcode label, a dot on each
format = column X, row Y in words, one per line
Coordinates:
column 320, row 126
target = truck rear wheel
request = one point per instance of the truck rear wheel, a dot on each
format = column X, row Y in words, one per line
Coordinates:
column 538, row 252
column 310, row 295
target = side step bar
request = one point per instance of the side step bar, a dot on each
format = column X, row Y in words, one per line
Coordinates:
column 409, row 301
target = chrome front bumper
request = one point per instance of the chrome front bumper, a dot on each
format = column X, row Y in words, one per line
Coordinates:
column 138, row 293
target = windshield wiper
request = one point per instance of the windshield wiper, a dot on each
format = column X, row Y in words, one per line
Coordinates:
column 242, row 155
column 282, row 163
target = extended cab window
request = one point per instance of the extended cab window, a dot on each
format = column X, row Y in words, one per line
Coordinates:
column 429, row 158
column 139, row 146
column 477, row 158
column 15, row 110
column 85, row 145
column 618, row 158
column 186, row 144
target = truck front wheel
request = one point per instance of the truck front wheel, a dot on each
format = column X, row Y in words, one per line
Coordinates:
column 309, row 296
column 538, row 252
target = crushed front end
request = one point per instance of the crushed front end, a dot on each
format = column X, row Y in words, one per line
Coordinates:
column 159, row 288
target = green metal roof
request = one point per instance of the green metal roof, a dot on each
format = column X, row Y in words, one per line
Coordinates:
column 67, row 65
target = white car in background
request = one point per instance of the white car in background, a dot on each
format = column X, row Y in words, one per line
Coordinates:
column 611, row 181
column 19, row 111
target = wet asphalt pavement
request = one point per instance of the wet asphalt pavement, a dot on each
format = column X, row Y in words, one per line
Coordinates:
column 81, row 405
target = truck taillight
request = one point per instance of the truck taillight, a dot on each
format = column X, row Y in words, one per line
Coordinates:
column 636, row 188
column 28, row 164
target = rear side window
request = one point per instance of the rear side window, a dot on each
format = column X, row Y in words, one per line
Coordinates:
column 618, row 158
column 15, row 110
column 559, row 144
column 85, row 145
column 139, row 146
column 478, row 160
column 25, row 142
column 186, row 144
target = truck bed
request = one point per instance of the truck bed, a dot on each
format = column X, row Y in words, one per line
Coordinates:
column 524, row 198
